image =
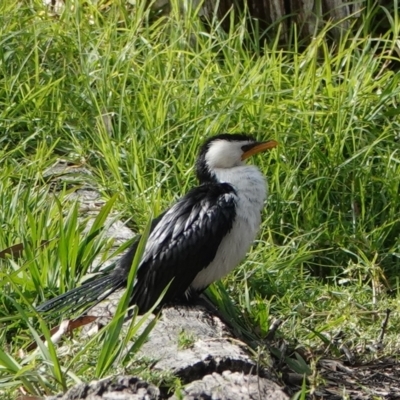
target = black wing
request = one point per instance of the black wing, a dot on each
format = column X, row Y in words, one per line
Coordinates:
column 183, row 242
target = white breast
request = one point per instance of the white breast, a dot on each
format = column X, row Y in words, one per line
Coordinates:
column 251, row 191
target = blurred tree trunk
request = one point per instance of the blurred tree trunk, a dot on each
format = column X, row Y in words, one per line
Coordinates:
column 308, row 15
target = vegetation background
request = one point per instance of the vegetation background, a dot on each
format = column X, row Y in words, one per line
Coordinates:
column 131, row 95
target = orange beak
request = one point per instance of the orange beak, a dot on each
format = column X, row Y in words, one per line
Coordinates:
column 259, row 147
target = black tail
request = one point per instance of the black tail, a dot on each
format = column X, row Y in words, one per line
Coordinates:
column 85, row 296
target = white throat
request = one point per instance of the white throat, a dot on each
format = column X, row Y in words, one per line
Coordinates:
column 248, row 181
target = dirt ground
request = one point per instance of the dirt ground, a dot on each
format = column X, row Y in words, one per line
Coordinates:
column 335, row 380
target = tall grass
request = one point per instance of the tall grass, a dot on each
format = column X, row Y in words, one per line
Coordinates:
column 132, row 97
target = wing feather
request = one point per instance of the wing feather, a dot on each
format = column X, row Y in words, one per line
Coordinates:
column 183, row 242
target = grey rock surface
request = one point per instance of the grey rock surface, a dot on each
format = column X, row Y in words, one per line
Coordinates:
column 232, row 386
column 211, row 348
column 118, row 388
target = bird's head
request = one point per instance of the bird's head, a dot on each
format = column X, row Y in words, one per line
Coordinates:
column 227, row 151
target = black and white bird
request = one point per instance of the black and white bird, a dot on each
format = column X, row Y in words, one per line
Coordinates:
column 197, row 241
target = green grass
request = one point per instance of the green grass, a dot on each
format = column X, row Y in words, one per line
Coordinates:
column 131, row 98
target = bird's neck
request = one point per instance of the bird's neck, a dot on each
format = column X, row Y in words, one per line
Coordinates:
column 247, row 180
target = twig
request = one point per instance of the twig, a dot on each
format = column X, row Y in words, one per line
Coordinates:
column 273, row 328
column 384, row 326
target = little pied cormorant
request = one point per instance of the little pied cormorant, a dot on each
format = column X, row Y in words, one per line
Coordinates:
column 197, row 241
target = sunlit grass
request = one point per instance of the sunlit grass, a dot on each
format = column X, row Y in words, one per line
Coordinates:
column 132, row 98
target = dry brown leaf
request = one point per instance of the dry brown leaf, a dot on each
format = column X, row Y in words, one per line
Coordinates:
column 16, row 250
column 28, row 397
column 66, row 326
